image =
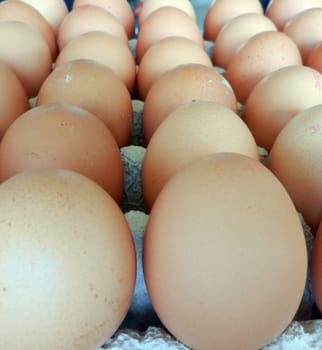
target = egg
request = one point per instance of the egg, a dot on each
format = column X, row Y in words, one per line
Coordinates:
column 314, row 59
column 234, row 33
column 95, row 88
column 316, row 263
column 26, row 52
column 157, row 60
column 224, row 254
column 258, row 56
column 150, row 6
column 13, row 10
column 13, row 98
column 295, row 159
column 183, row 84
column 67, row 264
column 190, row 132
column 52, row 10
column 305, row 29
column 121, row 9
column 103, row 48
column 63, row 136
column 221, row 12
column 268, row 108
column 281, row 11
column 89, row 18
column 178, row 23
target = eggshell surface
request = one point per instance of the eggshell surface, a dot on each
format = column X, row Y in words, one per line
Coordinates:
column 57, row 228
column 317, row 267
column 224, row 254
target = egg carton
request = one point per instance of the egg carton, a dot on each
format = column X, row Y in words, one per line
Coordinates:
column 141, row 328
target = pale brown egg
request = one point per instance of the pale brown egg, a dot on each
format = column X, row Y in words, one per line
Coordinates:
column 164, row 22
column 87, row 18
column 258, row 56
column 26, row 52
column 14, row 10
column 224, row 254
column 281, row 11
column 277, row 98
column 222, row 11
column 295, row 159
column 94, row 87
column 316, row 267
column 150, row 6
column 314, row 59
column 67, row 265
column 190, row 132
column 305, row 29
column 13, row 98
column 157, row 60
column 121, row 9
column 234, row 33
column 52, row 10
column 63, row 136
column 103, row 48
column 185, row 83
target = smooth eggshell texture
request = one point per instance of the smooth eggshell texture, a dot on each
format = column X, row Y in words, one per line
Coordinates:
column 234, row 33
column 281, row 11
column 94, row 87
column 316, row 267
column 190, row 132
column 185, row 83
column 314, row 59
column 121, row 9
column 67, row 264
column 295, row 159
column 164, row 22
column 13, row 98
column 52, row 10
column 88, row 18
column 268, row 108
column 12, row 10
column 25, row 50
column 103, row 48
column 221, row 12
column 157, row 60
column 224, row 254
column 63, row 136
column 150, row 6
column 260, row 55
column 305, row 29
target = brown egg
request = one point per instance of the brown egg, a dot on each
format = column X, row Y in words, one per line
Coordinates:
column 157, row 60
column 277, row 98
column 150, row 6
column 121, row 9
column 260, row 55
column 14, row 10
column 295, row 159
column 316, row 267
column 185, row 83
column 89, row 18
column 314, row 59
column 234, row 33
column 67, row 265
column 222, row 11
column 281, row 11
column 305, row 29
column 63, row 136
column 52, row 10
column 26, row 52
column 13, row 98
column 164, row 22
column 224, row 254
column 103, row 48
column 191, row 131
column 94, row 87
